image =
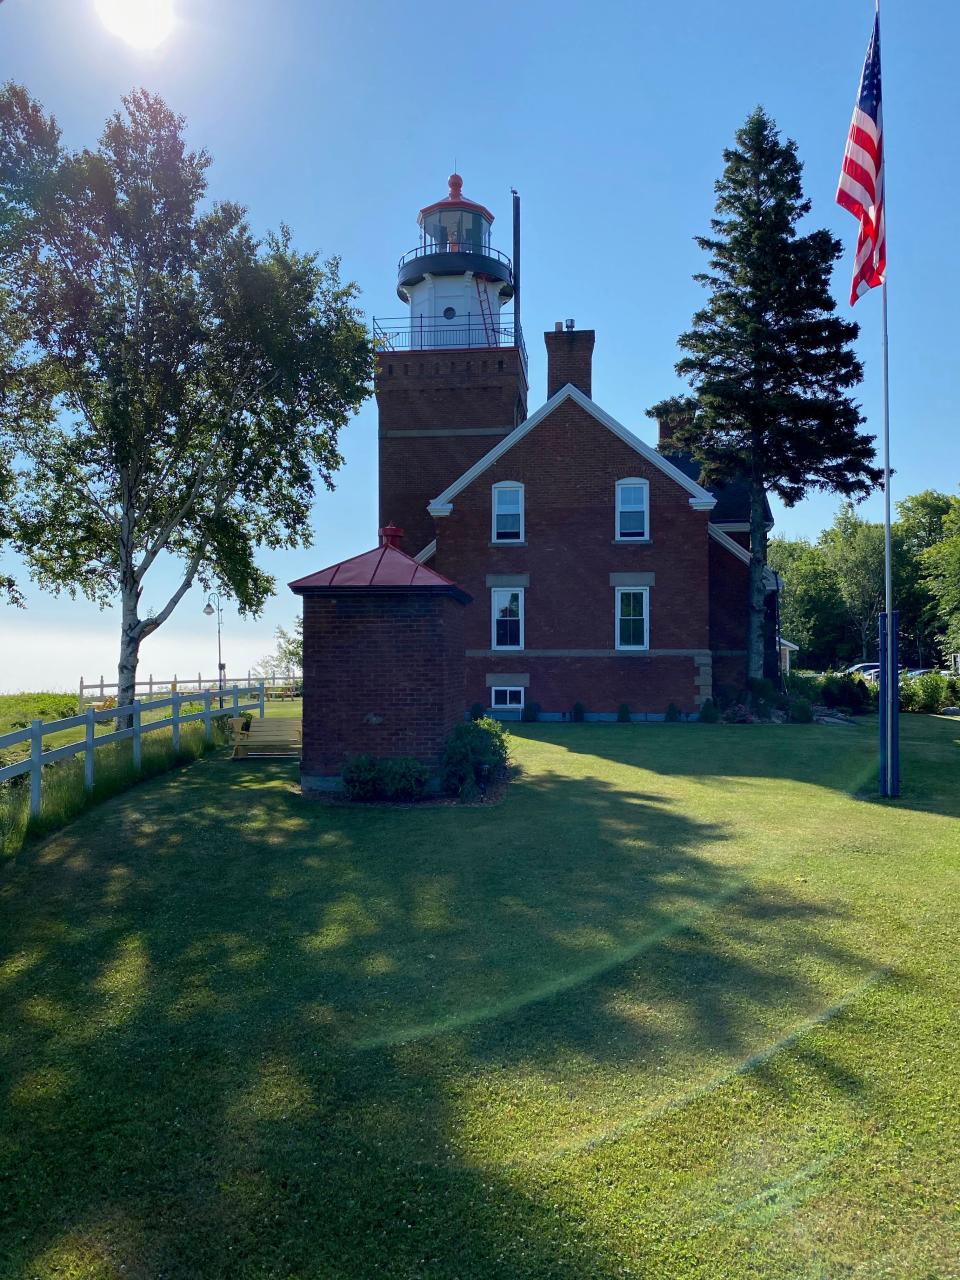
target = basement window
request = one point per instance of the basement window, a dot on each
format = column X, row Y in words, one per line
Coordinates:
column 633, row 618
column 633, row 501
column 506, row 620
column 507, row 512
column 506, row 697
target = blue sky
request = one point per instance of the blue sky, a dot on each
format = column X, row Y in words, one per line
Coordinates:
column 609, row 118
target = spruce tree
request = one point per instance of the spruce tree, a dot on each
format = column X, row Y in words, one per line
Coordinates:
column 769, row 361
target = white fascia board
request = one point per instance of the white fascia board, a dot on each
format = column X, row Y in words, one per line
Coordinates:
column 732, row 526
column 701, row 499
column 733, row 547
column 771, row 580
column 426, row 553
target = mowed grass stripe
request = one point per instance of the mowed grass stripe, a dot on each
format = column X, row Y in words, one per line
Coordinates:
column 656, row 1036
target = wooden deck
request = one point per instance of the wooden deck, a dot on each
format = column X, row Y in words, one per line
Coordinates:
column 274, row 736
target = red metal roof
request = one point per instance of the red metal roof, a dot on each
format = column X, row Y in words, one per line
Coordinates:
column 455, row 200
column 384, row 567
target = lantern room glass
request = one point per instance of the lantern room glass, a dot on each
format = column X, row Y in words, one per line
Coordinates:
column 455, row 231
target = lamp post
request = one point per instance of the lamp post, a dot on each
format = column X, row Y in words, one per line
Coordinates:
column 210, row 610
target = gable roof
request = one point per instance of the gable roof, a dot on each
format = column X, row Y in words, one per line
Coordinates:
column 384, row 568
column 700, row 499
column 733, row 498
column 771, row 580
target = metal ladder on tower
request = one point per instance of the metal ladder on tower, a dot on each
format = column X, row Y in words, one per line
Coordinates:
column 489, row 327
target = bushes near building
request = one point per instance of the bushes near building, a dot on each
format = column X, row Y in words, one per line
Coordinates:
column 475, row 754
column 399, row 780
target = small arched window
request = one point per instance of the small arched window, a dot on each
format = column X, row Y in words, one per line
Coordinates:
column 507, row 512
column 633, row 510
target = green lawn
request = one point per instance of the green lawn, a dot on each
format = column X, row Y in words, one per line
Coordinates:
column 684, row 1005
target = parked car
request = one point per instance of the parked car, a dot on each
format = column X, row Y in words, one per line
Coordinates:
column 865, row 669
column 919, row 671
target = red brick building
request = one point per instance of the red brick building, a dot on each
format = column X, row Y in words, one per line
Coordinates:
column 600, row 570
column 383, row 648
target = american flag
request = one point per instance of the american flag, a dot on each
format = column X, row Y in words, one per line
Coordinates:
column 861, row 180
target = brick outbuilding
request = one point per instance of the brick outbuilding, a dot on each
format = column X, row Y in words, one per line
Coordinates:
column 383, row 660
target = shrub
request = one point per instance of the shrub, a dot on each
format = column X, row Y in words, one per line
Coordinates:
column 402, row 779
column 927, row 694
column 709, row 712
column 804, row 684
column 953, row 691
column 847, row 693
column 739, row 713
column 673, row 713
column 725, row 695
column 908, row 694
column 623, row 713
column 361, row 778
column 475, row 752
column 531, row 713
column 477, row 711
column 800, row 711
column 762, row 697
column 578, row 713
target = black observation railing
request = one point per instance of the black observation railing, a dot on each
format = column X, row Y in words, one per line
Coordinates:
column 466, row 246
column 407, row 333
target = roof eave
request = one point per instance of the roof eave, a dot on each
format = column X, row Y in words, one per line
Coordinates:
column 411, row 589
column 442, row 504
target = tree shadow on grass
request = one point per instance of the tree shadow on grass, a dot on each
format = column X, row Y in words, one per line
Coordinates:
column 248, row 1036
column 842, row 758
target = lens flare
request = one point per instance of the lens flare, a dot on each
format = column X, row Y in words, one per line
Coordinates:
column 142, row 23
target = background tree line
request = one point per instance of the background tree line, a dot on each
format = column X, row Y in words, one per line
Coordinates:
column 833, row 588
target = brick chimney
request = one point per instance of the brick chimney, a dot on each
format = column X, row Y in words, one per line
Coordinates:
column 569, row 359
column 391, row 535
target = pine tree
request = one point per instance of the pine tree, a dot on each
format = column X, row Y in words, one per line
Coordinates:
column 769, row 361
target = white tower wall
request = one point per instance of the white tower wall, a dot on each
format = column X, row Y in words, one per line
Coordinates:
column 434, row 295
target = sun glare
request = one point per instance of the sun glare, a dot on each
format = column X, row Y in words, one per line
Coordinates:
column 142, row 23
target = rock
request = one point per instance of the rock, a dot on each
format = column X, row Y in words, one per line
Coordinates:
column 829, row 715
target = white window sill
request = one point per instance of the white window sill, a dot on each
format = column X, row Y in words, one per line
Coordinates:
column 506, row 543
column 633, row 648
column 632, row 542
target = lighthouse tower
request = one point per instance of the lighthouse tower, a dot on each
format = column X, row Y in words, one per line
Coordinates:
column 454, row 280
column 451, row 375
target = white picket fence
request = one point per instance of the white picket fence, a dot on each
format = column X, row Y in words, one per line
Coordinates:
column 99, row 690
column 236, row 700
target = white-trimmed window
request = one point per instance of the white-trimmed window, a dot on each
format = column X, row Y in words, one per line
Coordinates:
column 633, row 511
column 506, row 609
column 633, row 618
column 507, row 512
column 506, row 696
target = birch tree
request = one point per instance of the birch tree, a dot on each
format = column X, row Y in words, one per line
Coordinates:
column 180, row 385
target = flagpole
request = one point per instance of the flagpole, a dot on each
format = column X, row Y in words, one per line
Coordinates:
column 893, row 680
column 889, row 783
